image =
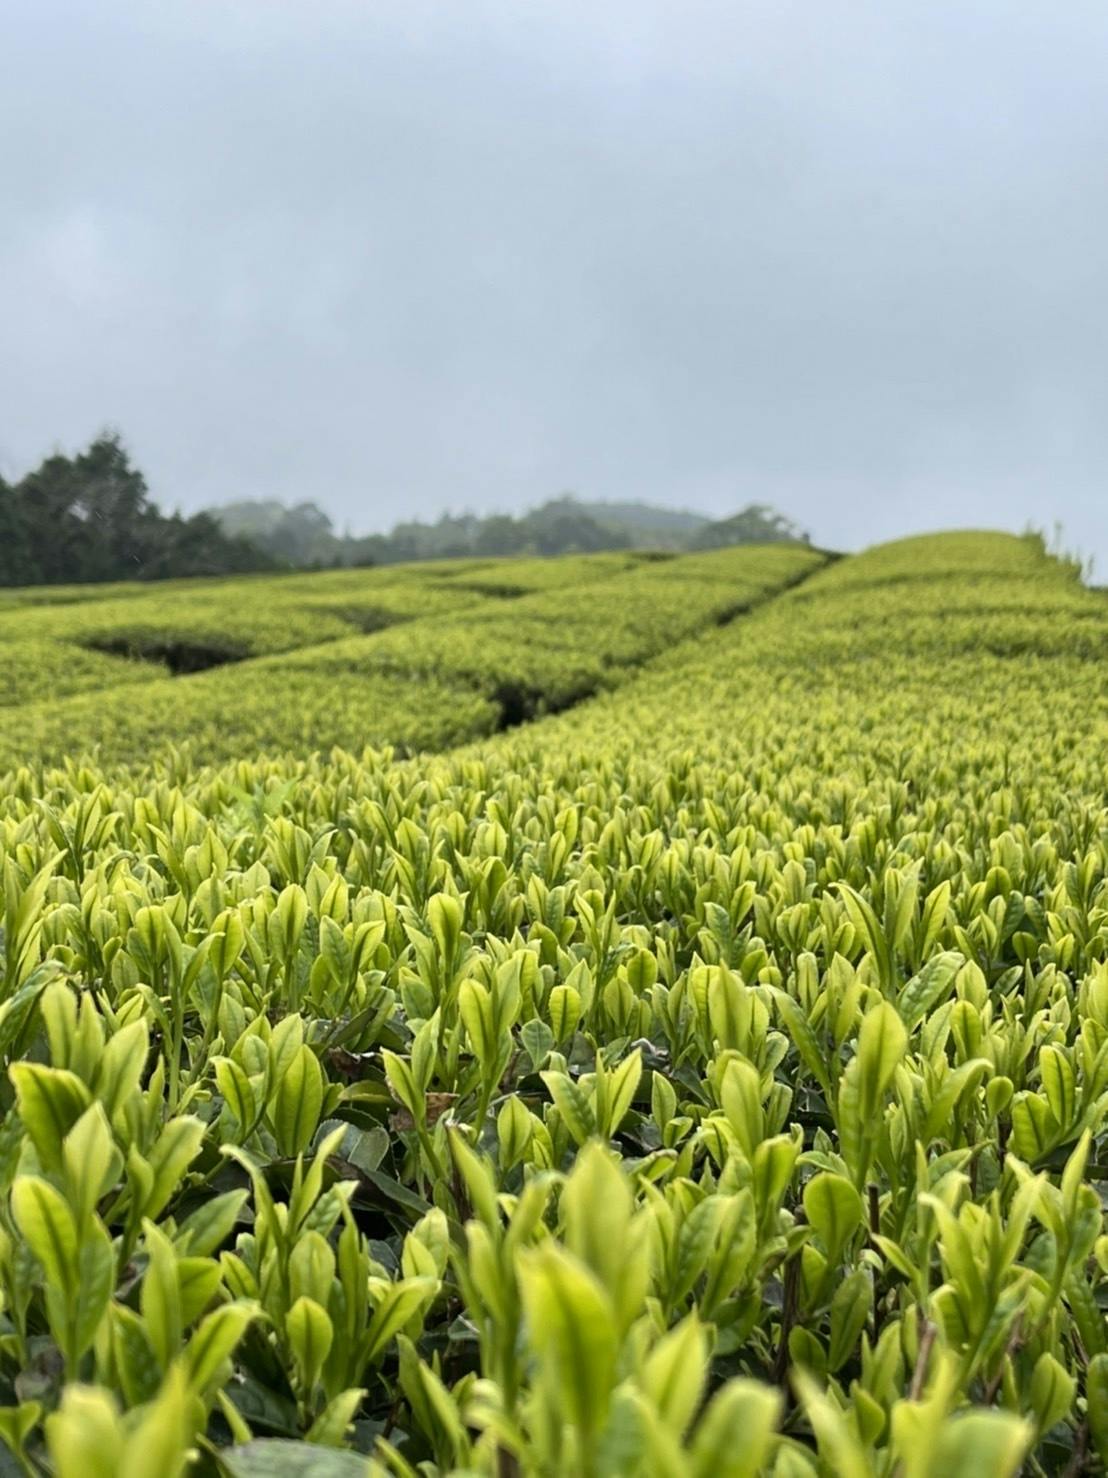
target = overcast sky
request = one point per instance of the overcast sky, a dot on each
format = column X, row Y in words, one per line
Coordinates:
column 399, row 256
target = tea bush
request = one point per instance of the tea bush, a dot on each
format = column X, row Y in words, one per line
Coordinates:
column 709, row 1079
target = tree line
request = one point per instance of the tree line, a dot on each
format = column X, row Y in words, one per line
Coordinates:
column 90, row 517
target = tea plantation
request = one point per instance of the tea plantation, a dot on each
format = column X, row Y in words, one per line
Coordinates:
column 591, row 1017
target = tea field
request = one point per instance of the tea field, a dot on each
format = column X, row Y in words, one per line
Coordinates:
column 590, row 1017
column 417, row 658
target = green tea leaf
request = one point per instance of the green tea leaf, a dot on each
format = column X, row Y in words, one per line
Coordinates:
column 45, row 1220
column 213, row 1342
column 881, row 1045
column 50, row 1101
column 850, row 1309
column 571, row 1103
column 675, row 1373
column 834, row 1208
column 992, row 1442
column 310, row 1333
column 297, row 1102
column 571, row 1328
column 733, row 1436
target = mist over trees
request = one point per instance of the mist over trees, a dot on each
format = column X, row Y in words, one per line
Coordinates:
column 304, row 535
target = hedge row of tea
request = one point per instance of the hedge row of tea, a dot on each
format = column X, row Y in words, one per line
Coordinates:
column 442, row 654
column 707, row 1080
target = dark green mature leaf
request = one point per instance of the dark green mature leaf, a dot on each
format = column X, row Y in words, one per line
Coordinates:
column 803, row 1038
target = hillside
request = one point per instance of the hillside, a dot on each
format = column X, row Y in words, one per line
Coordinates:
column 670, row 1035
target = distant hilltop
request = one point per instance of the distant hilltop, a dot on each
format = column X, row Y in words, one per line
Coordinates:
column 303, row 534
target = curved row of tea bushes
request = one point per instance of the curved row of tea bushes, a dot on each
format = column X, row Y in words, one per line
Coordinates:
column 427, row 682
column 60, row 639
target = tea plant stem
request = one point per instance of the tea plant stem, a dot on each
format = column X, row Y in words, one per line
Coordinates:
column 1078, row 1457
column 790, row 1290
column 923, row 1356
column 1014, row 1344
column 507, row 1464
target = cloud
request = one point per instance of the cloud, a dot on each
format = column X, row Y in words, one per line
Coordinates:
column 406, row 256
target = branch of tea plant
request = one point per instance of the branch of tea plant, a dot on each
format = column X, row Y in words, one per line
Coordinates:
column 507, row 1464
column 874, row 1204
column 484, row 1100
column 923, row 1355
column 1015, row 1342
column 26, row 1467
column 461, row 1199
column 788, row 1316
column 176, row 1049
column 426, row 1144
column 1076, row 1463
column 1003, row 1131
column 200, row 1059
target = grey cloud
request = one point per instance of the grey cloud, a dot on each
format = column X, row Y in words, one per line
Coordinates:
column 402, row 256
